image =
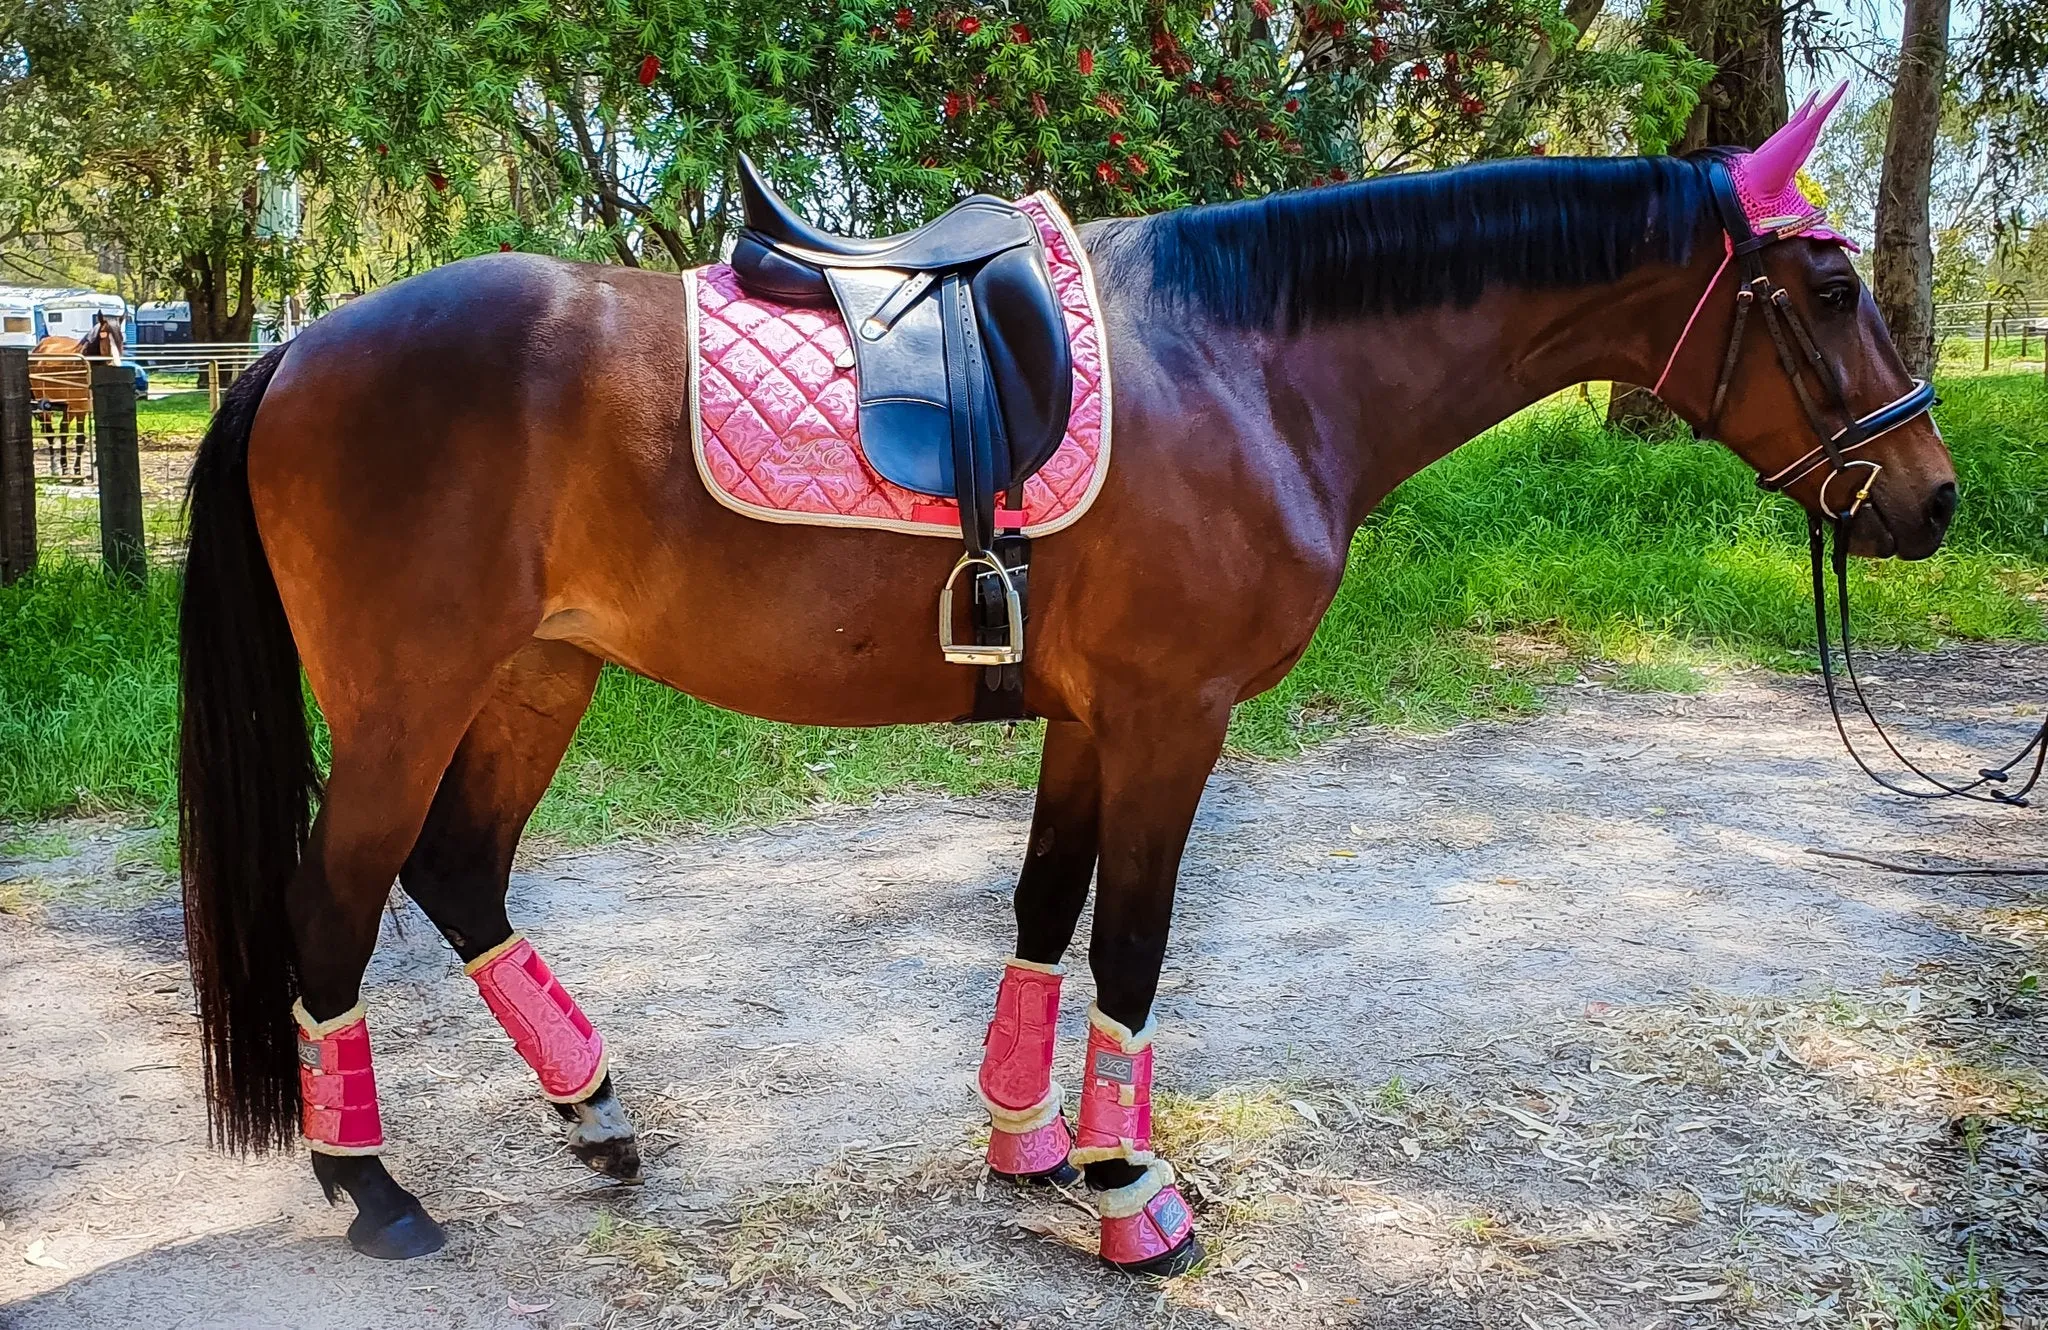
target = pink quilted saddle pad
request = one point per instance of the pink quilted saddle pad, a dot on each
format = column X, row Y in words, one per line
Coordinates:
column 774, row 421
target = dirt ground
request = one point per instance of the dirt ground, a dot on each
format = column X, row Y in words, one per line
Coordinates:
column 1543, row 1024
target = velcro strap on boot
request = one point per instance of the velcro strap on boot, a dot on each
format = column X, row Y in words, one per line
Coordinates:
column 338, row 1113
column 547, row 1027
column 1116, row 1093
column 1016, row 1059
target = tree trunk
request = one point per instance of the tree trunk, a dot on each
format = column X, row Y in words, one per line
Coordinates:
column 1741, row 106
column 1902, row 261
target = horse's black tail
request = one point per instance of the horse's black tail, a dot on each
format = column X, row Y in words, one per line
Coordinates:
column 246, row 785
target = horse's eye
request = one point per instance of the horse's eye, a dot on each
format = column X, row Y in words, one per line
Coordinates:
column 1838, row 296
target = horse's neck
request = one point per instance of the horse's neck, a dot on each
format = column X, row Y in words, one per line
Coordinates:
column 1400, row 392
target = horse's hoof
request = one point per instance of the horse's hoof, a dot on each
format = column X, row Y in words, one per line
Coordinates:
column 1062, row 1174
column 617, row 1159
column 602, row 1136
column 412, row 1232
column 1166, row 1265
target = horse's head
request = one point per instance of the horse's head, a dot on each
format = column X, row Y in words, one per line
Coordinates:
column 1787, row 361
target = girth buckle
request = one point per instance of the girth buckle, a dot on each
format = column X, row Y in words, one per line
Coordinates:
column 972, row 653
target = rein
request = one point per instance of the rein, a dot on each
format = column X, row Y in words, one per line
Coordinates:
column 1745, row 245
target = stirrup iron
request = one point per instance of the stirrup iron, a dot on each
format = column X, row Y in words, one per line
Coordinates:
column 994, row 653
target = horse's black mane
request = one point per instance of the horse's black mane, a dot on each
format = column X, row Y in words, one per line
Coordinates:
column 1404, row 242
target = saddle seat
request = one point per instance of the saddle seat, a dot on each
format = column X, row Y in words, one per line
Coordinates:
column 963, row 370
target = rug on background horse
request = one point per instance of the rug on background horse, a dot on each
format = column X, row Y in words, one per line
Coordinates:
column 773, row 415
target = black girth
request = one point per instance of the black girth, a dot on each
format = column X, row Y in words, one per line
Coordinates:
column 1834, row 451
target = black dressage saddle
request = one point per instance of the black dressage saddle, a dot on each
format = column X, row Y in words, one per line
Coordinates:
column 965, row 376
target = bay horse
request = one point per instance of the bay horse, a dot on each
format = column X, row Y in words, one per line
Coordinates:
column 60, row 390
column 450, row 502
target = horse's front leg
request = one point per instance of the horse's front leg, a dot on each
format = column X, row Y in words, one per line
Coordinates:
column 1154, row 763
column 1028, row 1133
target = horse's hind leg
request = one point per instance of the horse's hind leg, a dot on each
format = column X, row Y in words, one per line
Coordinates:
column 462, row 865
column 378, row 791
column 1028, row 1133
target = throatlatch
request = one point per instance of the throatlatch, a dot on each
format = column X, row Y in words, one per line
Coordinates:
column 1028, row 1136
column 547, row 1027
column 337, row 1086
column 1147, row 1219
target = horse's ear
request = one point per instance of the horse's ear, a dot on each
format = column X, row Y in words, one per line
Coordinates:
column 1773, row 166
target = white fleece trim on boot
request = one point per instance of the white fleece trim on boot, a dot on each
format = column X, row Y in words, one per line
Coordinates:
column 321, row 1029
column 487, row 957
column 1128, row 1040
column 1036, row 967
column 1123, row 1202
column 1018, row 1121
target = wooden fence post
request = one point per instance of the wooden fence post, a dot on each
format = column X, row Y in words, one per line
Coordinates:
column 17, row 468
column 1987, row 335
column 117, row 449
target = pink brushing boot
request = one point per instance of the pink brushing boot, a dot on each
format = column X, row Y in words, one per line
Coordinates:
column 338, row 1112
column 1147, row 1227
column 1028, row 1137
column 547, row 1027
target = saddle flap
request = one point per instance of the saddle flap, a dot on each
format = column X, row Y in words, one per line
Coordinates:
column 905, row 423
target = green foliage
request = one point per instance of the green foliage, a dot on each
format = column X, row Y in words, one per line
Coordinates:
column 423, row 131
column 1653, row 556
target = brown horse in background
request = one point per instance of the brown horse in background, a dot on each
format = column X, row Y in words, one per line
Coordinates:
column 453, row 500
column 60, row 391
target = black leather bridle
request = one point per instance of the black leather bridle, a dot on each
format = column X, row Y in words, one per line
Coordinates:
column 1836, row 449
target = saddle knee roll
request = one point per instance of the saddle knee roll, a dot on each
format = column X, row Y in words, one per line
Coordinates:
column 547, row 1027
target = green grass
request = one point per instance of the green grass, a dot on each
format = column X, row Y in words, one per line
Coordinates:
column 1545, row 544
column 177, row 415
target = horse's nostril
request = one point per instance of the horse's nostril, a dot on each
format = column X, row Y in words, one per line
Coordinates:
column 1941, row 505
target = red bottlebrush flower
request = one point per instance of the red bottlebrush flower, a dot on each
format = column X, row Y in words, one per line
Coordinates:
column 1421, row 70
column 1315, row 182
column 1231, row 140
column 928, row 162
column 1086, row 61
column 875, row 34
column 1450, row 62
column 1136, row 164
column 1379, row 50
column 1237, row 180
column 1292, row 149
column 1263, row 8
column 904, row 18
column 1338, row 175
column 383, row 150
column 1196, row 90
column 954, row 104
column 1020, row 34
column 438, row 181
column 1038, row 106
column 1109, row 105
column 969, row 26
column 1116, row 140
column 1471, row 106
column 1392, row 6
column 1538, row 149
column 1293, row 105
column 504, row 247
column 1481, row 54
column 1335, row 27
column 1106, row 172
column 1270, row 132
column 650, row 70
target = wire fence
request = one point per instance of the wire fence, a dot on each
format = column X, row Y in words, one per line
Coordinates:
column 65, row 447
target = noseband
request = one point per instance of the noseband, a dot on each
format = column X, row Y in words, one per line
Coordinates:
column 1837, row 444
